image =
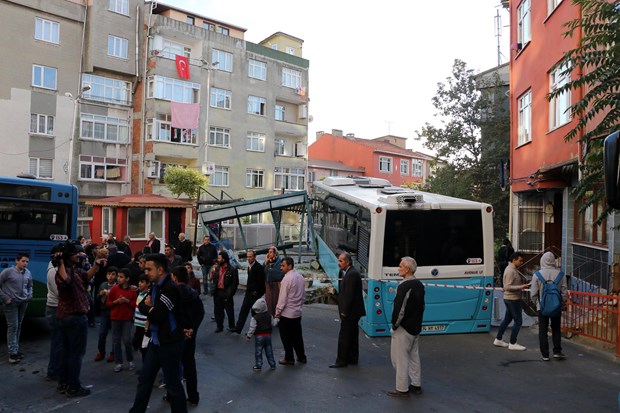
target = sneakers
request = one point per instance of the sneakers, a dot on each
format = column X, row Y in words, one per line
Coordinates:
column 99, row 356
column 516, row 347
column 545, row 358
column 500, row 343
column 79, row 392
column 272, row 367
column 132, row 366
column 118, row 368
column 257, row 368
column 559, row 356
column 111, row 358
column 14, row 359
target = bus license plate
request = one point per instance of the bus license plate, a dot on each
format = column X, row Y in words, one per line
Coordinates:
column 438, row 327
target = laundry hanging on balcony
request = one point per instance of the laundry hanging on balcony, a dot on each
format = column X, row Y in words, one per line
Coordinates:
column 185, row 115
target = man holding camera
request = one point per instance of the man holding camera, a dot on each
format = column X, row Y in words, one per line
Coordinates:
column 71, row 280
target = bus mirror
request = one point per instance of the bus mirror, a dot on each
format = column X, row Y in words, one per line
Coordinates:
column 612, row 184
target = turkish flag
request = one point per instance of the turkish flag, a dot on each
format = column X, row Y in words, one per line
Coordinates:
column 183, row 66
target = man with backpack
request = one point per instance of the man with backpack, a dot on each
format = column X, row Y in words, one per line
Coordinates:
column 549, row 291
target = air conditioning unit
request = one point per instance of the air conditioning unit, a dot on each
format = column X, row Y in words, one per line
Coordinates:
column 302, row 111
column 208, row 168
column 301, row 149
column 153, row 169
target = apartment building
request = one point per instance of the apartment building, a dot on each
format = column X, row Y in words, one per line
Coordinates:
column 543, row 168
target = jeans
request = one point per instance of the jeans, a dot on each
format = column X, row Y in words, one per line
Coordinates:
column 14, row 314
column 556, row 334
column 121, row 335
column 263, row 343
column 206, row 269
column 104, row 326
column 73, row 333
column 514, row 310
column 405, row 355
column 292, row 338
column 53, row 366
column 168, row 358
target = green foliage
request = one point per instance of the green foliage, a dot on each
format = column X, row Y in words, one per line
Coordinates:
column 473, row 137
column 594, row 66
column 187, row 181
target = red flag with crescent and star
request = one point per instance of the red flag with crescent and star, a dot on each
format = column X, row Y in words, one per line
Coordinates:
column 182, row 66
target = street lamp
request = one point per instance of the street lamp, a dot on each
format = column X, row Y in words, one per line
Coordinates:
column 75, row 100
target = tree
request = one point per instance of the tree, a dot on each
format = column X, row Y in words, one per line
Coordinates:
column 187, row 181
column 594, row 68
column 473, row 138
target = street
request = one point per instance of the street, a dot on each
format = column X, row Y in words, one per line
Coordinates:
column 460, row 373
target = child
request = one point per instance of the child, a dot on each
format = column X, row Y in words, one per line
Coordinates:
column 260, row 326
column 139, row 319
column 122, row 304
column 105, row 324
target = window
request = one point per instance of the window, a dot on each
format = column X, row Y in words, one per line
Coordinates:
column 99, row 168
column 220, row 98
column 291, row 78
column 279, row 143
column 190, row 20
column 254, row 178
column 208, row 26
column 385, row 164
column 290, row 50
column 274, row 47
column 416, row 167
column 525, row 118
column 219, row 137
column 524, row 33
column 104, row 128
column 585, row 229
column 169, row 49
column 530, row 222
column 225, row 60
column 41, row 124
column 85, row 216
column 552, row 5
column 143, row 221
column 117, row 47
column 153, row 169
column 108, row 220
column 404, row 166
column 256, row 105
column 289, row 178
column 119, row 6
column 255, row 142
column 223, row 30
column 174, row 90
column 105, row 89
column 280, row 112
column 47, row 31
column 44, row 77
column 161, row 129
column 41, row 168
column 162, row 169
column 257, row 69
column 219, row 176
column 311, row 176
column 559, row 106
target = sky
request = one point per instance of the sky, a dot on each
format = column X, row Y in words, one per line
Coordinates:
column 374, row 66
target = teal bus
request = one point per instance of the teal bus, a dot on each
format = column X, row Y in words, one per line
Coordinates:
column 451, row 239
column 34, row 216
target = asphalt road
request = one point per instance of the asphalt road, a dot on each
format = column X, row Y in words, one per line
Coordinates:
column 460, row 373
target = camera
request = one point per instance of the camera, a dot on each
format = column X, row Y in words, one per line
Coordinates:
column 65, row 250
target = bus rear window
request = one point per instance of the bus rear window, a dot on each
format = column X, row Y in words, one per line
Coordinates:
column 42, row 193
column 33, row 220
column 433, row 238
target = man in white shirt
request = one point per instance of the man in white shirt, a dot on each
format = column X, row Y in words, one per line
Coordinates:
column 288, row 311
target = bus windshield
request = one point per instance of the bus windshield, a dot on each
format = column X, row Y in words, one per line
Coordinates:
column 31, row 220
column 434, row 238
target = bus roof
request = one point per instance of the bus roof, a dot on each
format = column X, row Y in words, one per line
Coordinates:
column 376, row 192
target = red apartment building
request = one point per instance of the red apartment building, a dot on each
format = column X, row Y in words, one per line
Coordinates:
column 543, row 166
column 385, row 157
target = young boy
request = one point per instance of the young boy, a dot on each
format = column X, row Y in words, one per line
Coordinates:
column 139, row 319
column 105, row 324
column 122, row 304
column 260, row 327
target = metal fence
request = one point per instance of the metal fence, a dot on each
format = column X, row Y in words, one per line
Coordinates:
column 593, row 315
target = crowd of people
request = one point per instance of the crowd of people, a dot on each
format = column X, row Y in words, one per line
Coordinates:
column 151, row 303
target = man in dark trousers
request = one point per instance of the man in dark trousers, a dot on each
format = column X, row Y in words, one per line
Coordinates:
column 255, row 288
column 225, row 281
column 162, row 308
column 183, row 247
column 207, row 255
column 351, row 309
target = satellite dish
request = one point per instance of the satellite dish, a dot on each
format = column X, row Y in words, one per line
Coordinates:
column 310, row 118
